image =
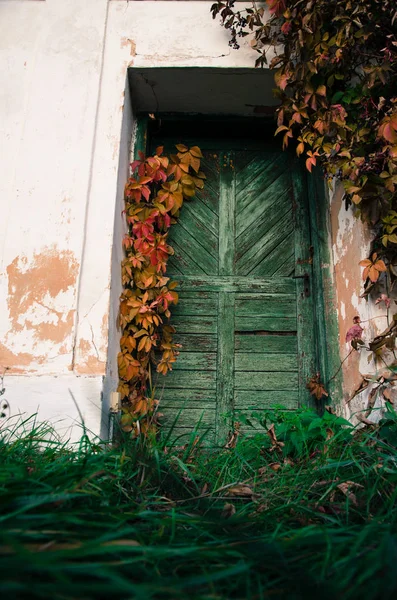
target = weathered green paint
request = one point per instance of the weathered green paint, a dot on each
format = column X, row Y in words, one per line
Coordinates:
column 274, row 285
column 281, row 380
column 250, row 400
column 327, row 333
column 265, row 362
column 303, row 267
column 245, row 323
column 225, row 371
column 266, row 344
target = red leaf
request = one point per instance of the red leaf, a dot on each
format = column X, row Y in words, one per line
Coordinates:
column 354, row 333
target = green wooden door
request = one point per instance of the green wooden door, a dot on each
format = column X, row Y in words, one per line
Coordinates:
column 244, row 319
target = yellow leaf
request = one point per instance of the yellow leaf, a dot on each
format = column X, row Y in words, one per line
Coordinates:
column 142, row 343
column 181, row 148
column 195, row 151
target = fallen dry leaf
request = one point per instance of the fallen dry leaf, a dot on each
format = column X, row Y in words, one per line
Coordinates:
column 275, row 466
column 228, row 510
column 239, row 490
column 345, row 488
column 276, row 445
column 233, row 436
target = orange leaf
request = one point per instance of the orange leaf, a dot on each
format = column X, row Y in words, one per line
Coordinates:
column 380, row 265
column 195, row 151
column 373, row 274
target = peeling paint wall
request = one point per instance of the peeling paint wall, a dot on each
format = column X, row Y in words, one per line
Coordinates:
column 66, row 124
column 351, row 240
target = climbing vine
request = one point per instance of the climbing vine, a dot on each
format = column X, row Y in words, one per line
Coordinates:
column 154, row 195
column 335, row 66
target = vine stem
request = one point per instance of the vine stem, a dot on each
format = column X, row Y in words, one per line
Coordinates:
column 339, row 368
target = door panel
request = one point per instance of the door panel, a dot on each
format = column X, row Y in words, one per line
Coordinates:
column 244, row 320
column 196, row 238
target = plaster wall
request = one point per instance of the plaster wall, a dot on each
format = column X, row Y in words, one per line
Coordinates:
column 351, row 242
column 66, row 127
column 65, row 131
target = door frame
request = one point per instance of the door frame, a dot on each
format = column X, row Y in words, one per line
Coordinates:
column 322, row 285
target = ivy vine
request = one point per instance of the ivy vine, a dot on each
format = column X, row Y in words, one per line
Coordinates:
column 154, row 195
column 335, row 65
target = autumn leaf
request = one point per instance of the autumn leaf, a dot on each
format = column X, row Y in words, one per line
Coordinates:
column 239, row 490
column 316, row 387
column 372, row 267
column 228, row 510
column 346, row 488
column 355, row 332
column 276, row 445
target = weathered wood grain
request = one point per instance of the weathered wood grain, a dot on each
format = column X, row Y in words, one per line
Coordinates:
column 305, row 313
column 274, row 285
column 283, row 380
column 194, row 324
column 196, row 303
column 263, row 399
column 227, row 207
column 265, row 305
column 196, row 361
column 286, row 344
column 181, row 397
column 193, row 342
column 259, row 323
column 198, row 416
column 194, row 251
column 190, row 380
column 265, row 362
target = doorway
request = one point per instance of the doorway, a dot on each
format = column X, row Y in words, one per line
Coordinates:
column 246, row 319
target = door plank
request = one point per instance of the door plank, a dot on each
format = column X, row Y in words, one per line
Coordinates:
column 209, row 195
column 273, row 261
column 186, row 416
column 195, row 361
column 181, row 262
column 203, row 214
column 199, row 233
column 285, row 344
column 225, row 380
column 194, row 324
column 267, row 167
column 227, row 207
column 197, row 303
column 269, row 217
column 306, row 340
column 245, row 264
column 194, row 342
column 192, row 250
column 288, row 268
column 190, row 380
column 265, row 362
column 278, row 190
column 283, row 380
column 260, row 399
column 275, row 285
column 265, row 305
column 259, row 323
column 181, row 397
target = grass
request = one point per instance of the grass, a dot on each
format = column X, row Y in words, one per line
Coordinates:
column 310, row 511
